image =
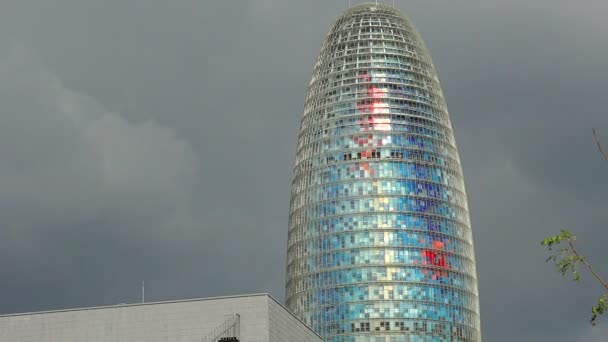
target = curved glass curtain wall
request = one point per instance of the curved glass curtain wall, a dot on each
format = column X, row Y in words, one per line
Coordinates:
column 380, row 245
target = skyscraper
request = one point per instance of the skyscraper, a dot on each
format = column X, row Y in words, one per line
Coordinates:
column 380, row 245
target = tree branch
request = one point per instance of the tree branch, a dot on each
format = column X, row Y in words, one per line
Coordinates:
column 587, row 264
column 599, row 145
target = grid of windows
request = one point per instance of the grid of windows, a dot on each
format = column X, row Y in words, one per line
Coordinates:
column 380, row 246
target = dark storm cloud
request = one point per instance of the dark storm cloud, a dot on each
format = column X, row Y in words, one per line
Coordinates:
column 153, row 140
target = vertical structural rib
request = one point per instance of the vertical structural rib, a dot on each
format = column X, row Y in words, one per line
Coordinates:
column 380, row 245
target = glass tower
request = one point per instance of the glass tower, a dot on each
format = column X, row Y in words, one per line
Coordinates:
column 380, row 246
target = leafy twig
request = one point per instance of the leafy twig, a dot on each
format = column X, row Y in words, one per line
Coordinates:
column 567, row 260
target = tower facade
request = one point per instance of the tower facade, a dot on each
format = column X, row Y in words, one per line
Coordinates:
column 380, row 245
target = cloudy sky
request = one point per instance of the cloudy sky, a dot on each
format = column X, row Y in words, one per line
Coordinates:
column 153, row 140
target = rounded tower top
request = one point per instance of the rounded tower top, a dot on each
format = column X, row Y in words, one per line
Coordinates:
column 370, row 8
column 376, row 15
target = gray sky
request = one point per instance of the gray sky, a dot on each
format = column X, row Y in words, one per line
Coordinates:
column 154, row 140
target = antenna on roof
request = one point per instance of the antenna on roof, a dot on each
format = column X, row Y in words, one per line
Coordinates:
column 143, row 291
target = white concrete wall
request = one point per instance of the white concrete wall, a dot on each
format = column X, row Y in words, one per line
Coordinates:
column 182, row 321
column 286, row 327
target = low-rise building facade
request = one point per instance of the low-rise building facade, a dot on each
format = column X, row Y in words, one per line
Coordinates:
column 249, row 318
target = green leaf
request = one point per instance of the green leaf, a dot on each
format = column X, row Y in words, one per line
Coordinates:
column 599, row 309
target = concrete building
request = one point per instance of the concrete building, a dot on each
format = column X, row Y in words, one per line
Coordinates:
column 250, row 318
